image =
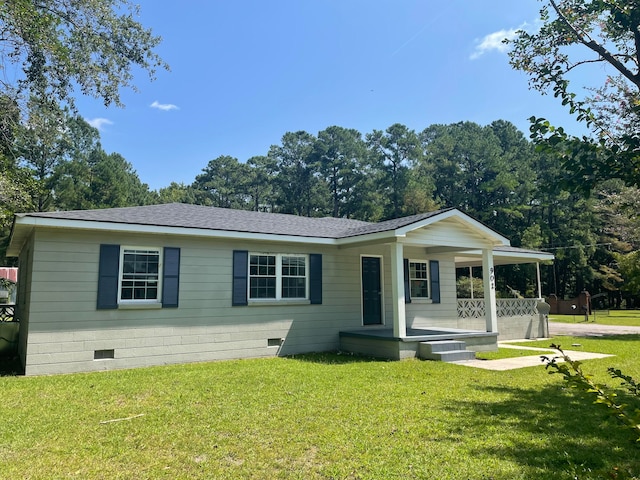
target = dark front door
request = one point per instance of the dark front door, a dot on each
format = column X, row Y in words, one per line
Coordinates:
column 371, row 291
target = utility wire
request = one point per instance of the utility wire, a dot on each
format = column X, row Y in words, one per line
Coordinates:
column 577, row 246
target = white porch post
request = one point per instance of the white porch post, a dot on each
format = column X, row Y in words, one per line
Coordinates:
column 489, row 281
column 538, row 279
column 471, row 280
column 397, row 286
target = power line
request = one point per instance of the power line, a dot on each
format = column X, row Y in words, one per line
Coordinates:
column 577, row 246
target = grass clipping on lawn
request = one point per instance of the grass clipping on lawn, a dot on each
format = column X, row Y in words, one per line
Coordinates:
column 314, row 417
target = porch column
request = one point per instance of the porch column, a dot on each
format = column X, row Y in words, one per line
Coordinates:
column 397, row 288
column 489, row 282
column 538, row 279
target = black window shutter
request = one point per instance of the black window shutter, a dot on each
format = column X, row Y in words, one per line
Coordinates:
column 407, row 285
column 434, row 276
column 315, row 278
column 240, row 272
column 170, row 277
column 108, row 271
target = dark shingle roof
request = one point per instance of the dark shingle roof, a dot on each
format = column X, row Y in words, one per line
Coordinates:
column 224, row 219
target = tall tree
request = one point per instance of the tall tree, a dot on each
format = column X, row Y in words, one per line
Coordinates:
column 396, row 149
column 474, row 170
column 223, row 183
column 115, row 183
column 43, row 144
column 297, row 181
column 261, row 183
column 177, row 193
column 339, row 154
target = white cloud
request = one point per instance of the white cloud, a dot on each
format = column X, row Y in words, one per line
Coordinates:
column 164, row 106
column 99, row 122
column 494, row 41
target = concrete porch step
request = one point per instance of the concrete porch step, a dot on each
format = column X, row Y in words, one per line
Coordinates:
column 445, row 351
column 443, row 345
column 452, row 356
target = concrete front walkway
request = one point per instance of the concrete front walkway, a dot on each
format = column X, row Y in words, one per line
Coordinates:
column 586, row 329
column 528, row 361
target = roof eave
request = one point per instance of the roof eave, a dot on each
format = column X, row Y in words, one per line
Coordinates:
column 473, row 258
column 17, row 237
column 23, row 222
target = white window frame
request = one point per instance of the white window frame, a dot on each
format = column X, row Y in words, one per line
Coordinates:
column 427, row 280
column 278, row 297
column 133, row 301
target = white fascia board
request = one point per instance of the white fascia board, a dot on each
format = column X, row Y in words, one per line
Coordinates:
column 523, row 256
column 164, row 230
column 389, row 236
column 535, row 256
column 482, row 229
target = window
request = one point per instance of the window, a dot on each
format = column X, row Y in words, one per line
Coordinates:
column 419, row 279
column 132, row 277
column 140, row 274
column 268, row 276
column 262, row 272
column 277, row 276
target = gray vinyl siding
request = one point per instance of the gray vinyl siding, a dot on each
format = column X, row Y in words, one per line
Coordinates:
column 65, row 328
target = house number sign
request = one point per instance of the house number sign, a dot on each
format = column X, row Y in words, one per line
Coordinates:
column 492, row 279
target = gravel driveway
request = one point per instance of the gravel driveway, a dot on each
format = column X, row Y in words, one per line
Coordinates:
column 590, row 329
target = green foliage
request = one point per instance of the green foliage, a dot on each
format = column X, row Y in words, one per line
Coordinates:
column 571, row 370
column 223, row 183
column 297, row 184
column 629, row 268
column 339, row 155
column 393, row 152
column 52, row 49
column 576, row 34
column 465, row 285
column 177, row 193
column 483, row 171
column 92, row 45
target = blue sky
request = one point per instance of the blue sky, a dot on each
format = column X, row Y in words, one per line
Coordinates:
column 244, row 72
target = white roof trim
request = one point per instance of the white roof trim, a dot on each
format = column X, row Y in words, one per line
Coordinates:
column 162, row 230
column 474, row 257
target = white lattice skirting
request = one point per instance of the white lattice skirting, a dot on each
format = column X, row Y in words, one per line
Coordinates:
column 507, row 307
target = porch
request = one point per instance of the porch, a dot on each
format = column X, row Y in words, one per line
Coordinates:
column 382, row 343
column 516, row 318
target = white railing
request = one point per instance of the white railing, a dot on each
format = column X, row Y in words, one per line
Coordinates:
column 507, row 307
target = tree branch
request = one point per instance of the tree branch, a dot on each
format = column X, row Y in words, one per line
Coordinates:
column 599, row 49
column 582, row 62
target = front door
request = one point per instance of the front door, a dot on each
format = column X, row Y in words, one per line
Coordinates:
column 371, row 291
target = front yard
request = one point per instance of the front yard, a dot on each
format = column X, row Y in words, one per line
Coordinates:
column 324, row 416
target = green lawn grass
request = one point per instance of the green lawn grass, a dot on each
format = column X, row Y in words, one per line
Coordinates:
column 324, row 416
column 626, row 318
column 507, row 353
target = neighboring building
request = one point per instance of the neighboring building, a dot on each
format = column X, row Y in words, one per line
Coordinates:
column 129, row 287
